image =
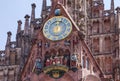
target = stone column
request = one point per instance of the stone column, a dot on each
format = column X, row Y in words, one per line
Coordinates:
column 26, row 27
column 100, row 26
column 118, row 26
column 19, row 26
column 101, row 43
column 33, row 12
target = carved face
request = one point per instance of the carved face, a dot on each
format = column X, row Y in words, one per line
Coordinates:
column 57, row 28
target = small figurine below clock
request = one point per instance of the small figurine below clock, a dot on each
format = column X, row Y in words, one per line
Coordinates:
column 57, row 28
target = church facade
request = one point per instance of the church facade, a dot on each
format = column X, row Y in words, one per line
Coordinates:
column 73, row 40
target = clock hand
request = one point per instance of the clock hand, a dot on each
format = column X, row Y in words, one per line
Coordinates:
column 57, row 27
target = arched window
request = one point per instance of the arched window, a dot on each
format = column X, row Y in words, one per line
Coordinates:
column 107, row 44
column 106, row 26
column 61, row 52
column 95, row 28
column 96, row 45
column 66, row 58
column 96, row 13
column 108, row 64
column 12, row 58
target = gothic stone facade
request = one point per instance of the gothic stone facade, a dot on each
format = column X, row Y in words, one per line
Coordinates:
column 88, row 51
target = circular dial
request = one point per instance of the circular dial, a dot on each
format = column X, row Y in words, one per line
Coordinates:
column 57, row 28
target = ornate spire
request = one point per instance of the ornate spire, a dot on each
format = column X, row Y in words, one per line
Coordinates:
column 118, row 9
column 44, row 5
column 19, row 26
column 33, row 12
column 43, row 14
column 112, row 5
column 26, row 27
column 8, row 38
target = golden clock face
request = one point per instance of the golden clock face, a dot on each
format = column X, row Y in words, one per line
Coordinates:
column 57, row 28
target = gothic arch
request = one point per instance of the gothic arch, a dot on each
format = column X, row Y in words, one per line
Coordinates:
column 96, row 45
column 108, row 61
column 66, row 58
column 67, row 51
column 106, row 25
column 53, row 52
column 12, row 58
column 92, row 78
column 47, row 54
column 61, row 51
column 107, row 44
column 95, row 28
column 96, row 13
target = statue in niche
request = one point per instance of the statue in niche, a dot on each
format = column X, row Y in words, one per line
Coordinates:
column 66, row 60
column 47, row 63
column 73, row 60
column 57, row 59
column 96, row 45
column 51, row 60
column 74, row 63
column 61, row 60
column 38, row 66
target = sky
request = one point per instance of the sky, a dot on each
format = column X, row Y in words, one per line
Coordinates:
column 13, row 10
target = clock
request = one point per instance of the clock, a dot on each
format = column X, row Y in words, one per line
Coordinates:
column 57, row 28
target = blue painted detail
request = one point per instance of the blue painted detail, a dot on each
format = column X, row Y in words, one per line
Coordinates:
column 57, row 12
column 38, row 64
column 57, row 28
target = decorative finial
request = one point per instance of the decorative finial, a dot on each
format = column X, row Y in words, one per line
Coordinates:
column 9, row 34
column 19, row 26
column 27, row 17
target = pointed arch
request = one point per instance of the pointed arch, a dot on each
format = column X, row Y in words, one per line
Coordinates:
column 96, row 45
column 53, row 52
column 96, row 12
column 106, row 25
column 108, row 64
column 12, row 58
column 107, row 44
column 95, row 28
column 61, row 52
column 66, row 58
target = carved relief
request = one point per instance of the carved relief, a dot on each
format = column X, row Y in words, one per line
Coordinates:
column 57, row 57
